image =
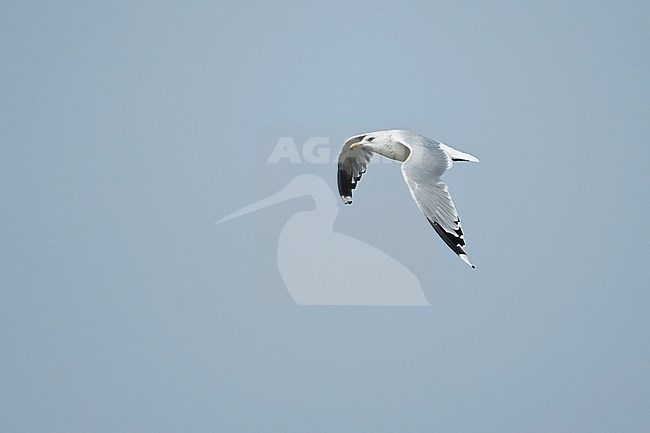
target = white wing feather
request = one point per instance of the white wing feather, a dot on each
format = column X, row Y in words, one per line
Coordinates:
column 422, row 170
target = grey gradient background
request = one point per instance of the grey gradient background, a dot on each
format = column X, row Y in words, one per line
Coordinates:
column 128, row 128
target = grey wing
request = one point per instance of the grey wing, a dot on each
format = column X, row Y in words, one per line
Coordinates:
column 422, row 175
column 351, row 166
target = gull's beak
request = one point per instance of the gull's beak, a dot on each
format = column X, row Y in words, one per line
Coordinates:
column 355, row 145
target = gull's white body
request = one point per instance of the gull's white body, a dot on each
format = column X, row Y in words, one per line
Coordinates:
column 424, row 161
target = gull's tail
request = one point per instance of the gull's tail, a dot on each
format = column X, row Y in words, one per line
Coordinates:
column 457, row 155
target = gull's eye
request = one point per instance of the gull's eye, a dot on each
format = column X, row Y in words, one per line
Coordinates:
column 371, row 139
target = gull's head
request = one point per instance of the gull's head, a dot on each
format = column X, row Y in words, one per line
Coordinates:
column 373, row 140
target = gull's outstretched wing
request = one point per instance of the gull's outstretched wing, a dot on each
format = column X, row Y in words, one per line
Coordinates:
column 422, row 171
column 351, row 166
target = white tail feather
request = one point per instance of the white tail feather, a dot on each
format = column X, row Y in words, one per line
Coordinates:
column 457, row 155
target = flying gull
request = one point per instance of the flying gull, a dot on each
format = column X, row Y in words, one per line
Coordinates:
column 424, row 162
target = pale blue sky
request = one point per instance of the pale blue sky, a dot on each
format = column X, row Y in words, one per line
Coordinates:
column 129, row 128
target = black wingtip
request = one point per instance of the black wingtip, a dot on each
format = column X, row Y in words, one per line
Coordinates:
column 454, row 241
